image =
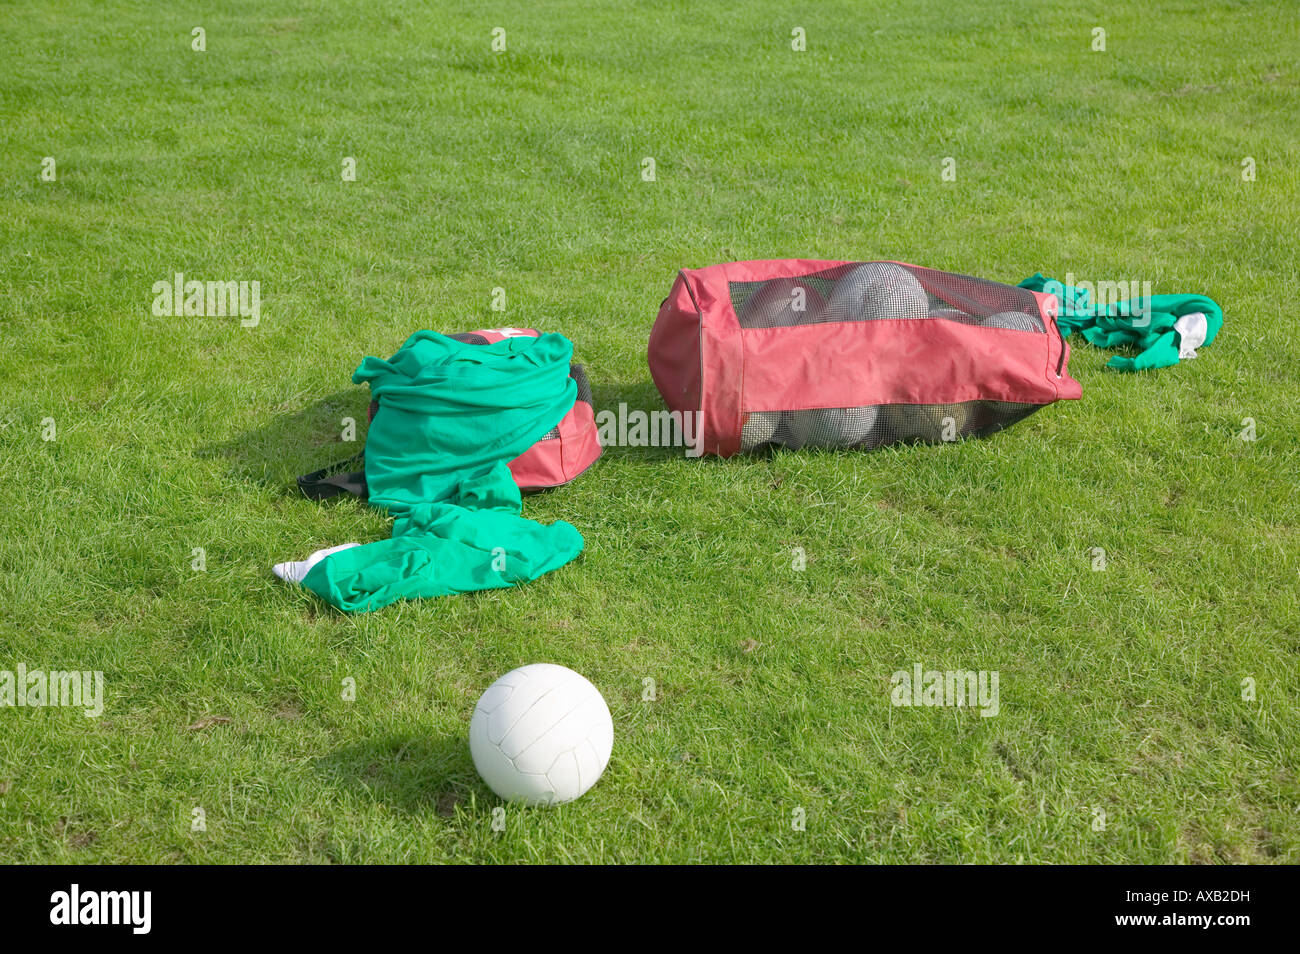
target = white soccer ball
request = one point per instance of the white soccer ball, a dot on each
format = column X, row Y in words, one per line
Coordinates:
column 831, row 426
column 541, row 735
column 780, row 303
column 931, row 423
column 1013, row 320
column 760, row 427
column 876, row 290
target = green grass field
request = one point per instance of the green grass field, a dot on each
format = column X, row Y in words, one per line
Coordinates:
column 1124, row 732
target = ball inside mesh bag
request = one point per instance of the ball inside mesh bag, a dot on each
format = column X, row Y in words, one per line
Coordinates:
column 1005, row 408
column 1001, row 413
column 953, row 314
column 876, row 290
column 780, row 303
column 760, row 427
column 831, row 426
column 1014, row 320
column 932, row 423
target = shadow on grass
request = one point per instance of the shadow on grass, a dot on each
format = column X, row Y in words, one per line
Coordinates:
column 639, row 396
column 298, row 442
column 414, row 774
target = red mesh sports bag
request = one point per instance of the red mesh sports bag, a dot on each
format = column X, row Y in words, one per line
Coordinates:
column 807, row 353
column 563, row 453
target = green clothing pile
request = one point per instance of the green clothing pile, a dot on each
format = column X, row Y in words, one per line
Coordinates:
column 1162, row 328
column 451, row 418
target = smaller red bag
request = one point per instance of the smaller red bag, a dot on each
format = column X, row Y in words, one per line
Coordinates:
column 562, row 454
column 805, row 353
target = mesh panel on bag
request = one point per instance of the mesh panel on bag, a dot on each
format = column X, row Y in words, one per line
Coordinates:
column 579, row 375
column 873, row 291
column 882, row 291
column 880, row 424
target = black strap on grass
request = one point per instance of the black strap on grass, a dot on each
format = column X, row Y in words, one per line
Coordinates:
column 336, row 479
